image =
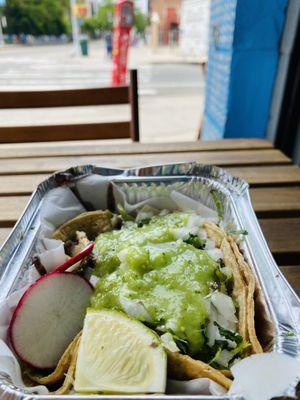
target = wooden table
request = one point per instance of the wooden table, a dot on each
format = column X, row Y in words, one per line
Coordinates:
column 274, row 180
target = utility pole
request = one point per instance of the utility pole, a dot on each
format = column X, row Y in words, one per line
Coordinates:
column 2, row 25
column 1, row 34
column 75, row 29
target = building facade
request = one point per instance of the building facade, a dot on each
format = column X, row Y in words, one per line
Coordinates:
column 166, row 14
column 194, row 29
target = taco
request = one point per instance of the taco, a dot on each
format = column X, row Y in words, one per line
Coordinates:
column 185, row 277
column 182, row 276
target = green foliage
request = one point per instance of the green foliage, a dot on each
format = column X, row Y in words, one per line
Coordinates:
column 36, row 17
column 105, row 17
column 104, row 20
column 90, row 26
column 141, row 21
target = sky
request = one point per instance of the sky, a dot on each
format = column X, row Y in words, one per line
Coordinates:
column 142, row 4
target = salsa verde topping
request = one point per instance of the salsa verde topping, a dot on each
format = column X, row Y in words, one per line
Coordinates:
column 160, row 272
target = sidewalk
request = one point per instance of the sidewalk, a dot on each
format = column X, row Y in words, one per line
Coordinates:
column 164, row 54
column 171, row 89
column 138, row 55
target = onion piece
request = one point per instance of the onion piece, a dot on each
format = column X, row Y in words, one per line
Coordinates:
column 53, row 255
column 135, row 308
column 224, row 306
column 75, row 259
column 168, row 342
column 216, row 254
column 224, row 357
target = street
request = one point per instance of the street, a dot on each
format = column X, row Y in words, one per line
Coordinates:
column 171, row 91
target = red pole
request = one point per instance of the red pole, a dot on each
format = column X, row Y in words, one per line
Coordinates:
column 123, row 21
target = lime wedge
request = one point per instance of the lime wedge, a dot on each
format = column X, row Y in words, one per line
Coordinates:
column 118, row 354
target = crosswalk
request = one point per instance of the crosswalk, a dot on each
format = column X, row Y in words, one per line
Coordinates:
column 54, row 68
column 175, row 89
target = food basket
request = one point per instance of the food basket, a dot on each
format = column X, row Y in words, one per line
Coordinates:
column 96, row 187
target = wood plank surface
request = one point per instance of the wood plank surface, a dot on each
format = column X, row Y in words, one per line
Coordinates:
column 283, row 237
column 285, row 175
column 11, row 209
column 48, row 165
column 279, row 175
column 99, row 147
column 4, row 232
column 20, row 184
column 292, row 274
column 276, row 202
column 64, row 98
column 46, row 133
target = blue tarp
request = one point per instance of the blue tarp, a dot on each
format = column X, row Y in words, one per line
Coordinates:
column 243, row 56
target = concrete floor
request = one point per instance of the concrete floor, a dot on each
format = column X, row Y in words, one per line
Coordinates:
column 171, row 91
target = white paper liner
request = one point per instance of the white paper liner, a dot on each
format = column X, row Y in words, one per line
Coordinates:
column 60, row 205
column 92, row 190
column 195, row 386
column 11, row 368
column 272, row 375
column 8, row 363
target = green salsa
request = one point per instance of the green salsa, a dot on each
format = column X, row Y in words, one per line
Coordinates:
column 147, row 272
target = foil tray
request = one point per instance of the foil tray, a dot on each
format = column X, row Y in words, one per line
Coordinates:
column 197, row 181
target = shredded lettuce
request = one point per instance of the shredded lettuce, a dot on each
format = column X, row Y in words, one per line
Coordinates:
column 218, row 204
column 212, row 354
column 182, row 344
column 221, row 276
column 233, row 336
column 124, row 214
column 217, row 353
column 143, row 222
column 238, row 232
column 289, row 333
column 240, row 349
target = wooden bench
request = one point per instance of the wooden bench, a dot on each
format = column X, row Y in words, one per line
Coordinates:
column 72, row 98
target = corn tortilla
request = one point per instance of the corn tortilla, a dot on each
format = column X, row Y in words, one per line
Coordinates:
column 92, row 223
column 69, row 376
column 251, row 283
column 214, row 232
column 184, row 367
column 244, row 285
column 61, row 368
column 239, row 292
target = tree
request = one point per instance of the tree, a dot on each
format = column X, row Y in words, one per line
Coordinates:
column 103, row 21
column 141, row 21
column 90, row 26
column 36, row 17
column 105, row 17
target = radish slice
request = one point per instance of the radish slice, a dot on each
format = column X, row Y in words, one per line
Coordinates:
column 48, row 317
column 75, row 259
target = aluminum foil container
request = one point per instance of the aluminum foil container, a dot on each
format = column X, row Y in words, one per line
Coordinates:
column 135, row 186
